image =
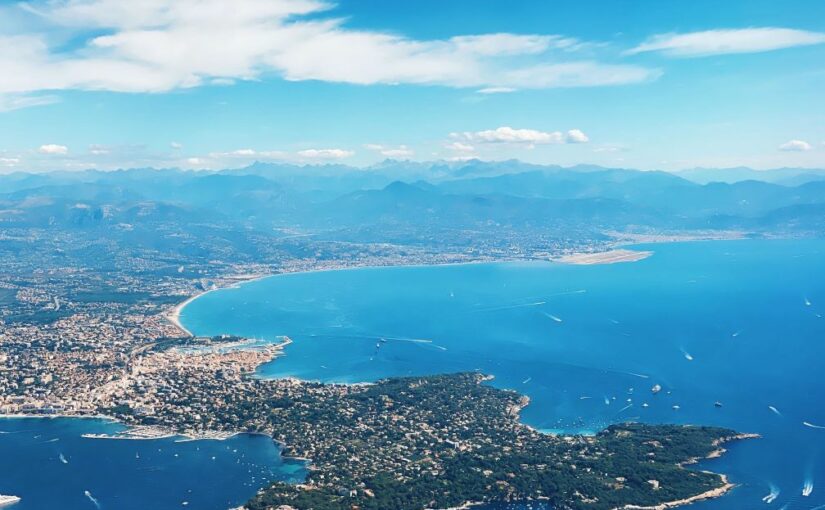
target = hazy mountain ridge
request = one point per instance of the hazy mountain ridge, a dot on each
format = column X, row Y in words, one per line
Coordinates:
column 467, row 195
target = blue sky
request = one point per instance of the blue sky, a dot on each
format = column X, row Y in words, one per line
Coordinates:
column 213, row 84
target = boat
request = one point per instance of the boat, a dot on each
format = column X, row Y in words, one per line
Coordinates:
column 717, row 404
column 656, row 388
column 807, row 489
column 771, row 497
column 8, row 500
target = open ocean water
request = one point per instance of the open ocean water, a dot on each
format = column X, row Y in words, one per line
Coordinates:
column 48, row 463
column 735, row 322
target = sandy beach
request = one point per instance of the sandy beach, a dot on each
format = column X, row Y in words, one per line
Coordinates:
column 174, row 315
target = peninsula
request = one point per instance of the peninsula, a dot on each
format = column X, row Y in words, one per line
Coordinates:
column 409, row 443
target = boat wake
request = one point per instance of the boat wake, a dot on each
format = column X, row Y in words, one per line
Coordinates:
column 775, row 410
column 771, row 497
column 808, row 488
column 634, row 374
column 63, row 459
column 811, row 425
column 553, row 317
column 94, row 501
column 686, row 354
column 508, row 307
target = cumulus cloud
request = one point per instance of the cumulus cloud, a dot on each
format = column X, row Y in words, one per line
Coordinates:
column 163, row 45
column 402, row 151
column 720, row 42
column 53, row 149
column 795, row 146
column 460, row 147
column 577, row 136
column 529, row 137
column 325, row 153
column 460, row 151
column 176, row 145
column 248, row 154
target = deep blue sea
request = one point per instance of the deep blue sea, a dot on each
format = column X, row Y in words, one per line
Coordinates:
column 47, row 463
column 735, row 322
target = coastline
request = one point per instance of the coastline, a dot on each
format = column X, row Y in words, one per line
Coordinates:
column 612, row 252
column 605, row 257
column 617, row 254
column 726, row 487
column 173, row 315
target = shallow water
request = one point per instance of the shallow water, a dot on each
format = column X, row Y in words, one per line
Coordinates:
column 734, row 322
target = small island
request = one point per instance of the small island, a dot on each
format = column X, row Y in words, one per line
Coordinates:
column 408, row 443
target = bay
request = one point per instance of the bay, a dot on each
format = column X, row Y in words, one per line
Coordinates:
column 738, row 323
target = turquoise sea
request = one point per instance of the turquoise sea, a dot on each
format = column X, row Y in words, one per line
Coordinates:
column 738, row 323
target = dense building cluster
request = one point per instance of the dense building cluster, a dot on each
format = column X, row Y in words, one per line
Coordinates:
column 412, row 443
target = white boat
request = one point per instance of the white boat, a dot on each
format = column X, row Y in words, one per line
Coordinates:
column 807, row 489
column 656, row 388
column 8, row 500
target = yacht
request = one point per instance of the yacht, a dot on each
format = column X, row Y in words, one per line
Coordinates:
column 8, row 500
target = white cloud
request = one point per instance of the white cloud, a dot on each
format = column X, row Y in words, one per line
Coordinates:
column 249, row 154
column 720, row 42
column 611, row 148
column 9, row 102
column 460, row 151
column 577, row 136
column 53, row 149
column 496, row 90
column 795, row 146
column 402, row 151
column 9, row 162
column 176, row 145
column 529, row 137
column 460, row 147
column 98, row 150
column 325, row 153
column 161, row 45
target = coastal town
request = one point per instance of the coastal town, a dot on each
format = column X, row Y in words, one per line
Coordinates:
column 76, row 310
column 91, row 328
